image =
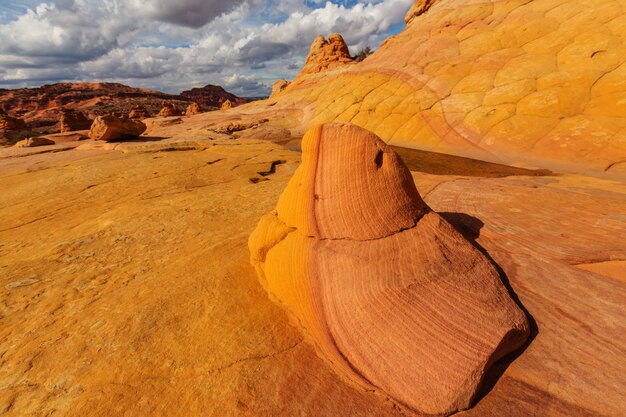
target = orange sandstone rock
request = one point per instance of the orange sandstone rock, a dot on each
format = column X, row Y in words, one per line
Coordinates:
column 389, row 293
column 326, row 54
column 279, row 86
column 169, row 110
column 111, row 128
column 192, row 109
column 226, row 105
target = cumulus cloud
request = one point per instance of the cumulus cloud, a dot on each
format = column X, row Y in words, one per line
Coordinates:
column 173, row 45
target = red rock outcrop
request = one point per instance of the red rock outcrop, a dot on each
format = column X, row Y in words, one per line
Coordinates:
column 8, row 123
column 111, row 128
column 168, row 110
column 326, row 54
column 390, row 294
column 72, row 120
column 211, row 96
column 138, row 112
column 42, row 106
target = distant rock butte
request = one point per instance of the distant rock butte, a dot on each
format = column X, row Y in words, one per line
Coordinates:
column 326, row 54
column 169, row 110
column 72, row 120
column 212, row 97
column 536, row 83
column 397, row 301
column 111, row 128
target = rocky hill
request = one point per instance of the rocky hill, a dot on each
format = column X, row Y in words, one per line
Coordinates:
column 212, row 97
column 42, row 107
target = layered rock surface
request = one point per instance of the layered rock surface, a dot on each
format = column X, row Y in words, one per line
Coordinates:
column 380, row 282
column 211, row 96
column 519, row 82
column 169, row 110
column 72, row 120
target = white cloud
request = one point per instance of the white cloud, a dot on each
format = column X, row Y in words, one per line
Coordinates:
column 173, row 45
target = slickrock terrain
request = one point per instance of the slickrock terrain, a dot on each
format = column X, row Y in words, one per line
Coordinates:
column 111, row 128
column 211, row 97
column 144, row 302
column 73, row 120
column 32, row 142
column 519, row 82
column 379, row 295
column 126, row 286
column 226, row 105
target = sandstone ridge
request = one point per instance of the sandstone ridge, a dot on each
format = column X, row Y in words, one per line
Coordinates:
column 532, row 83
column 378, row 296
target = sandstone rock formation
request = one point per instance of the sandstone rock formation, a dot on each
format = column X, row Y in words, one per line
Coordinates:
column 72, row 120
column 419, row 7
column 42, row 106
column 8, row 123
column 168, row 110
column 211, row 96
column 226, row 105
column 192, row 109
column 32, row 142
column 111, row 128
column 326, row 54
column 519, row 82
column 138, row 112
column 279, row 86
column 390, row 294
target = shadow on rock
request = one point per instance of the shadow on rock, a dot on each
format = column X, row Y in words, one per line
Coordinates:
column 469, row 227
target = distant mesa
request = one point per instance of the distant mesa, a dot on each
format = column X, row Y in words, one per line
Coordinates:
column 111, row 128
column 72, row 120
column 211, row 97
column 169, row 110
column 138, row 112
column 193, row 109
column 392, row 296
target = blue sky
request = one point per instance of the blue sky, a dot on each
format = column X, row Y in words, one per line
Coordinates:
column 244, row 45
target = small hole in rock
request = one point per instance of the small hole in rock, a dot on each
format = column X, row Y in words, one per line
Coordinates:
column 379, row 159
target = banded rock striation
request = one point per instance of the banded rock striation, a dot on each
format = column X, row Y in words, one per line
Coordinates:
column 72, row 120
column 388, row 292
column 326, row 54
